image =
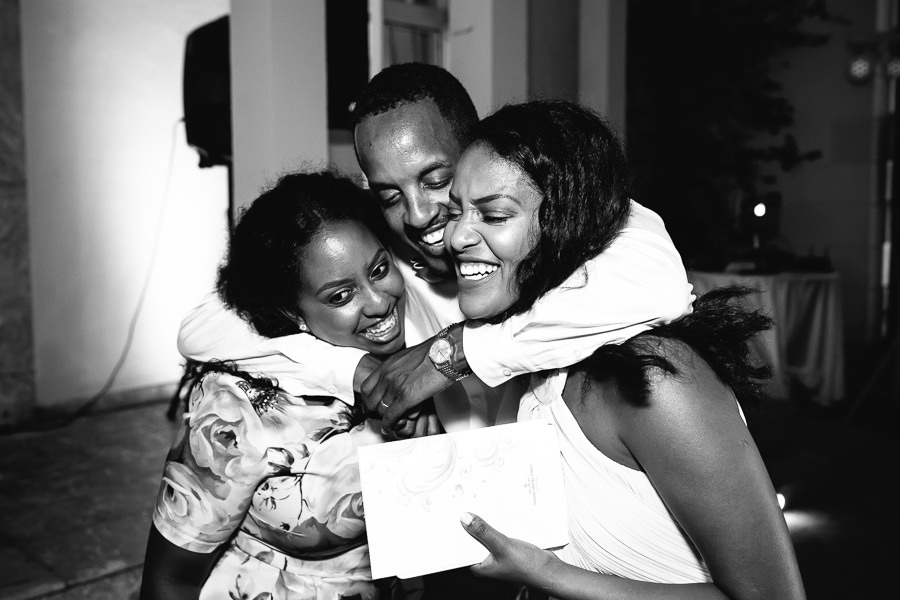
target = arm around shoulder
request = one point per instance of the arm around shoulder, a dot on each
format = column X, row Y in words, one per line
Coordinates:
column 637, row 282
column 302, row 363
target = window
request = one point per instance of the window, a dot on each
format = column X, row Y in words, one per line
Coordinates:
column 414, row 31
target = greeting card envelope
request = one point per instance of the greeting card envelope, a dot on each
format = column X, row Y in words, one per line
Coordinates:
column 414, row 492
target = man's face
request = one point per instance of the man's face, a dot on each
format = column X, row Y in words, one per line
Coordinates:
column 409, row 156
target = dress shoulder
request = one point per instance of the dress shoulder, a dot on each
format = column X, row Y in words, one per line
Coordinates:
column 220, row 455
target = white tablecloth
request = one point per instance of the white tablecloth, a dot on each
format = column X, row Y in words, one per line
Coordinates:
column 805, row 347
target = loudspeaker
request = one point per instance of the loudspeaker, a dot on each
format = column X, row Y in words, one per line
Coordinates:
column 347, row 56
column 207, row 92
column 207, row 77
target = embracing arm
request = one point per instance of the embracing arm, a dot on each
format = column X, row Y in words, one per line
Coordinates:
column 302, row 364
column 173, row 573
column 637, row 282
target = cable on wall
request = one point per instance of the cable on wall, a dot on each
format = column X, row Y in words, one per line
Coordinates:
column 85, row 408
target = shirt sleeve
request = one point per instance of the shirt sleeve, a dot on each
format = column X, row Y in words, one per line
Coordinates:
column 212, row 470
column 303, row 364
column 638, row 282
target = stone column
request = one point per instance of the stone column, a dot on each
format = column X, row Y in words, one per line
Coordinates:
column 16, row 338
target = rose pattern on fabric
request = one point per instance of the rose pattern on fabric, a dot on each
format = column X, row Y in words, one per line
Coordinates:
column 286, row 477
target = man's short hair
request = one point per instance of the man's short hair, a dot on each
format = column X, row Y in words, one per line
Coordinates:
column 407, row 83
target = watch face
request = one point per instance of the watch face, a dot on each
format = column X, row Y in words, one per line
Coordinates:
column 440, row 351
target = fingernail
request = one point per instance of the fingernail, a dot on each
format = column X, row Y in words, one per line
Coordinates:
column 466, row 518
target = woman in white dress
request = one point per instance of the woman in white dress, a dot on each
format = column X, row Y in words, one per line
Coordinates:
column 667, row 494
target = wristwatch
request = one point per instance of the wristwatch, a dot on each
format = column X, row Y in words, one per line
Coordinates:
column 442, row 354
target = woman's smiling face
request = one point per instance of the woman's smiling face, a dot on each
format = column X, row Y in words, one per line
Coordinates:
column 493, row 225
column 351, row 294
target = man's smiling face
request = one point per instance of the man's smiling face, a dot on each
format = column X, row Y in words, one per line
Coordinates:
column 409, row 156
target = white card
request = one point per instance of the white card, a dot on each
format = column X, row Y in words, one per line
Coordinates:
column 414, row 492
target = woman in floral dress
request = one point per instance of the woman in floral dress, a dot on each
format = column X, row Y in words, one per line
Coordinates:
column 260, row 497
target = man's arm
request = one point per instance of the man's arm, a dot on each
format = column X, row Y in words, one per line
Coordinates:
column 637, row 282
column 302, row 364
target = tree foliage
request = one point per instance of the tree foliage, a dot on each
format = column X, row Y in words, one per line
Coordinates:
column 705, row 111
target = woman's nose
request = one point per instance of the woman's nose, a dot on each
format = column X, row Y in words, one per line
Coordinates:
column 460, row 234
column 378, row 301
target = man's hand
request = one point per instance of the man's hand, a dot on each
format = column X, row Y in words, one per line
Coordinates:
column 420, row 422
column 509, row 559
column 366, row 366
column 401, row 383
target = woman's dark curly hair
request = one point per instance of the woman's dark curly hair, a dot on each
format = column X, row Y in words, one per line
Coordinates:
column 260, row 277
column 575, row 160
column 718, row 330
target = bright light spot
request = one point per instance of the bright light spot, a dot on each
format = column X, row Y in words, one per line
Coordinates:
column 780, row 500
column 808, row 522
column 860, row 69
column 760, row 209
column 893, row 67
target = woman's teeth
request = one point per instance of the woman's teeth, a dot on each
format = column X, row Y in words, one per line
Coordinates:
column 475, row 271
column 383, row 329
column 435, row 237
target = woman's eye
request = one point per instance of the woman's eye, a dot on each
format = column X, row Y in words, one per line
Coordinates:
column 454, row 214
column 495, row 218
column 381, row 270
column 340, row 298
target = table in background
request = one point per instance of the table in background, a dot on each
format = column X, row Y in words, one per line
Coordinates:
column 805, row 347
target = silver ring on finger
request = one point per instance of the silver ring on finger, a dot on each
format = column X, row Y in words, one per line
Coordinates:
column 384, row 404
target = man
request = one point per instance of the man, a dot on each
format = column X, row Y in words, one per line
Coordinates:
column 411, row 122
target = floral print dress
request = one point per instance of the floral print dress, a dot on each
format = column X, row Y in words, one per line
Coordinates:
column 275, row 478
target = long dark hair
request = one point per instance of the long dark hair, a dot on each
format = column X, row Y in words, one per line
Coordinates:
column 575, row 160
column 260, row 276
column 719, row 330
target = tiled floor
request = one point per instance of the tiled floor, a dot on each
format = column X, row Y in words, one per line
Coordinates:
column 75, row 505
column 75, row 502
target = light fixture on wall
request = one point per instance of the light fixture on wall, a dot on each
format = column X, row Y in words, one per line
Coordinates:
column 878, row 57
column 874, row 55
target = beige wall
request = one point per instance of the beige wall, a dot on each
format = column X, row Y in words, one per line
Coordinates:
column 278, row 91
column 102, row 101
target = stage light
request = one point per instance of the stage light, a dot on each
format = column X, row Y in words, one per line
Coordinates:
column 892, row 67
column 875, row 55
column 760, row 209
column 780, row 497
column 861, row 69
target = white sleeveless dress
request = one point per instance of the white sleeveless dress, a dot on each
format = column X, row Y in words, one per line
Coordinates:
column 618, row 524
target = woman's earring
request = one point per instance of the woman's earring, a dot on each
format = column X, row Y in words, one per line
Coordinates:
column 301, row 325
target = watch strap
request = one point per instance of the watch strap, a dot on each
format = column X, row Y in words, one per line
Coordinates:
column 451, row 369
column 450, row 373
